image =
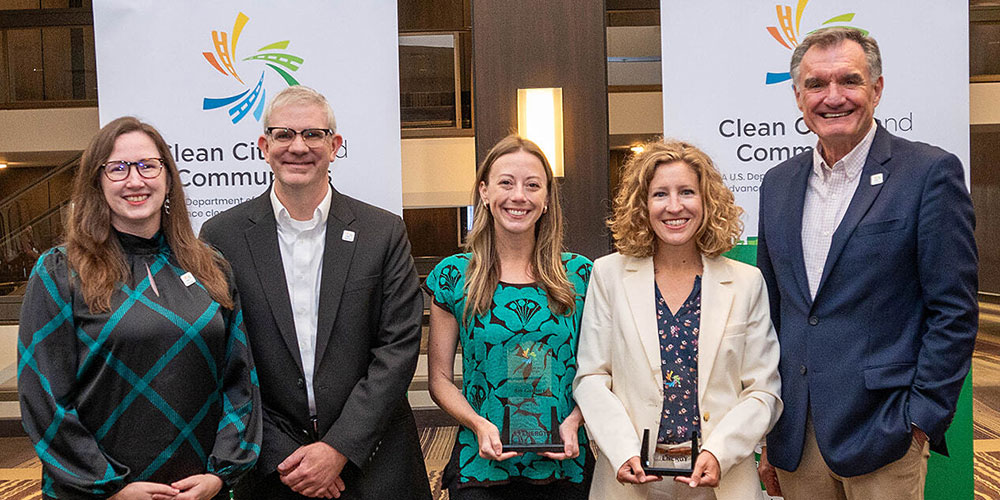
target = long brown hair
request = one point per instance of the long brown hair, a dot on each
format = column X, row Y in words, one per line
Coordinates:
column 721, row 225
column 93, row 250
column 483, row 271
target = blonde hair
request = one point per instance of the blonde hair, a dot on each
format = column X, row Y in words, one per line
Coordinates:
column 720, row 227
column 483, row 271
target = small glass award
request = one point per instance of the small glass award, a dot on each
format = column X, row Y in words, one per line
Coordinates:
column 530, row 418
column 669, row 460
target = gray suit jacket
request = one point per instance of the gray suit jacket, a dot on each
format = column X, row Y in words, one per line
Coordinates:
column 368, row 339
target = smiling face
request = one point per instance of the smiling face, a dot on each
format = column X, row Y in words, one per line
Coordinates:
column 135, row 201
column 297, row 166
column 675, row 206
column 516, row 192
column 837, row 96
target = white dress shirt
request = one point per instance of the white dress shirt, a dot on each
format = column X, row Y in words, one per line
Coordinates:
column 828, row 195
column 301, row 244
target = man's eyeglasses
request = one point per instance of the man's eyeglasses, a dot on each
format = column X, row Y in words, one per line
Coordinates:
column 118, row 170
column 313, row 137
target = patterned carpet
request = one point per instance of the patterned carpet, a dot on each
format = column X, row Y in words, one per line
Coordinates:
column 986, row 404
column 436, row 444
column 20, row 469
column 987, row 475
column 22, row 489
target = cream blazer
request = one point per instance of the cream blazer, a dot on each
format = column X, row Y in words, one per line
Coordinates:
column 619, row 383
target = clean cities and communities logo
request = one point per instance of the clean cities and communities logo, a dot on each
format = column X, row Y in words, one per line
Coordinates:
column 251, row 100
column 789, row 33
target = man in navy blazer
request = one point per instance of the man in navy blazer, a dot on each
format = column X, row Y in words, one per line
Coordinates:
column 866, row 245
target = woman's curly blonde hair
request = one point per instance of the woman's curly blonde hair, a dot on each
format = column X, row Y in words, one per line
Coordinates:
column 720, row 226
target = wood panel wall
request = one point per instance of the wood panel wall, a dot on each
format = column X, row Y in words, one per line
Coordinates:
column 986, row 200
column 433, row 232
column 433, row 15
column 550, row 43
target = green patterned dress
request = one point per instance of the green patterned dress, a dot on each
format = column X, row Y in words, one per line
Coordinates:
column 519, row 353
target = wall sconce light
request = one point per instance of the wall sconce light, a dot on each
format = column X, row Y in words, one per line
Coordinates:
column 540, row 119
column 637, row 149
column 3, row 166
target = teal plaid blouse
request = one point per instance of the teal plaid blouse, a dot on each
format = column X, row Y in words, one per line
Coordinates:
column 159, row 388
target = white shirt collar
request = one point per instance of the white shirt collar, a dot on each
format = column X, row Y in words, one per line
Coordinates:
column 853, row 162
column 285, row 221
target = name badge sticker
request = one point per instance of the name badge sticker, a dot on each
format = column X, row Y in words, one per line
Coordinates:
column 188, row 279
column 348, row 235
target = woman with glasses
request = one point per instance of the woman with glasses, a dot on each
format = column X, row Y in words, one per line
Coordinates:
column 676, row 339
column 135, row 376
column 513, row 302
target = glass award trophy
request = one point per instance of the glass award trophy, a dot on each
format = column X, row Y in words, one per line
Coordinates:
column 669, row 460
column 530, row 419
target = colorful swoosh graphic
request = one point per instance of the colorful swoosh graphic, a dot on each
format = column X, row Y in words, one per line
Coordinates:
column 789, row 32
column 251, row 98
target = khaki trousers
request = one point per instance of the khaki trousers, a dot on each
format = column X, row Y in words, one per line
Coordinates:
column 813, row 480
column 668, row 489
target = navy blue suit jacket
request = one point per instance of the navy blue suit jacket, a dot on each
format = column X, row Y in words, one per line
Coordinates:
column 888, row 339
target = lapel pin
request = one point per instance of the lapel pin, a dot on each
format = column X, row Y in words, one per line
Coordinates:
column 187, row 279
column 348, row 235
column 876, row 179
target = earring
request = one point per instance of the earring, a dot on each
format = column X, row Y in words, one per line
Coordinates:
column 545, row 209
column 486, row 203
column 166, row 206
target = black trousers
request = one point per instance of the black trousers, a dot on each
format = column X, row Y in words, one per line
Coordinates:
column 270, row 487
column 396, row 470
column 519, row 490
column 562, row 490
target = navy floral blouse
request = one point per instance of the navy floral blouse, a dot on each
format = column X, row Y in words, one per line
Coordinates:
column 679, row 364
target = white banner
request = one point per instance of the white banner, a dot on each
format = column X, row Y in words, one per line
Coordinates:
column 726, row 89
column 202, row 72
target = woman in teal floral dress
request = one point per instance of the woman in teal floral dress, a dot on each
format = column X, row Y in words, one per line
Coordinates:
column 514, row 301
